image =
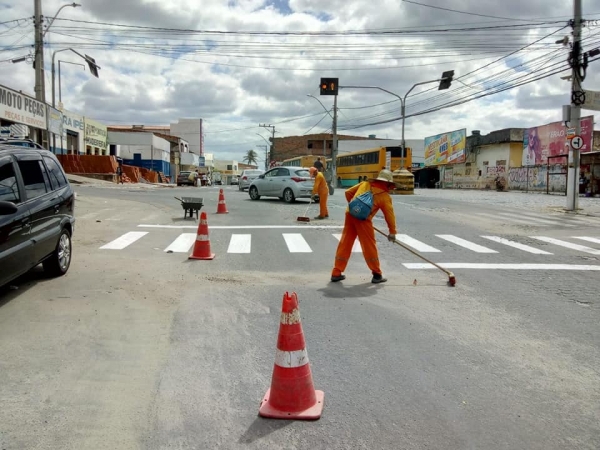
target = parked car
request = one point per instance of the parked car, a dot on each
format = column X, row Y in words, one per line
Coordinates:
column 235, row 180
column 37, row 207
column 183, row 178
column 286, row 182
column 21, row 142
column 247, row 177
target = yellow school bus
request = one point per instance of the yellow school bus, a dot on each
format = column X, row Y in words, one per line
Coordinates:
column 354, row 167
column 300, row 161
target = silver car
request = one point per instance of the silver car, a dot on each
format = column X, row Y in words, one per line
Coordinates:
column 286, row 182
column 247, row 177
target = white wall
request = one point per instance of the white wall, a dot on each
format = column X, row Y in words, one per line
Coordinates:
column 73, row 122
column 191, row 131
column 190, row 159
column 492, row 154
column 148, row 145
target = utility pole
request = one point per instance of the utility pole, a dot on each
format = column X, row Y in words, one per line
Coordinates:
column 40, row 85
column 272, row 139
column 577, row 98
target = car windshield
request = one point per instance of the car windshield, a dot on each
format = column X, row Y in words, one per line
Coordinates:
column 302, row 173
column 184, row 173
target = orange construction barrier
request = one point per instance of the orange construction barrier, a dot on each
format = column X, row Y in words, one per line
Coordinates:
column 222, row 207
column 202, row 245
column 292, row 394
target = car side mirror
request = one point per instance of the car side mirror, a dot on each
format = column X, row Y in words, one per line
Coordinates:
column 8, row 208
column 261, row 176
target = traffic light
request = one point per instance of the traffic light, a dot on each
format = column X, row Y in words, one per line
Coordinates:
column 92, row 65
column 329, row 86
column 446, row 80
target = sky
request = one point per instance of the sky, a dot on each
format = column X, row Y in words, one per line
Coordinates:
column 238, row 64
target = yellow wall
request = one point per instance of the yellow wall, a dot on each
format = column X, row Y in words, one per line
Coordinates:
column 516, row 154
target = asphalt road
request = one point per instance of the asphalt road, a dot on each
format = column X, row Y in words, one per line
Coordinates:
column 140, row 348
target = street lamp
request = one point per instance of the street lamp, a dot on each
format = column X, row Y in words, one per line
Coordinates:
column 326, row 110
column 91, row 63
column 59, row 82
column 266, row 147
column 334, row 143
column 266, row 151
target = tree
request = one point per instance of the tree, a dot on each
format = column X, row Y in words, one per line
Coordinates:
column 251, row 157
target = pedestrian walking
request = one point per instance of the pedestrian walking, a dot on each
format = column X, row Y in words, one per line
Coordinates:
column 360, row 225
column 119, row 174
column 320, row 187
column 319, row 165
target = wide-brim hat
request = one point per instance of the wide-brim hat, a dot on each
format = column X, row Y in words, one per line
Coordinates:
column 385, row 176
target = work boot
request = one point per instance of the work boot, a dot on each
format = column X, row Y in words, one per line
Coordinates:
column 338, row 277
column 378, row 278
column 319, row 218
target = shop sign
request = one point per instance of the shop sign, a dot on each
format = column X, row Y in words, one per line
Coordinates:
column 20, row 108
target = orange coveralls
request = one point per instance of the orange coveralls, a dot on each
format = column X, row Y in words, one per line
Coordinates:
column 322, row 189
column 364, row 228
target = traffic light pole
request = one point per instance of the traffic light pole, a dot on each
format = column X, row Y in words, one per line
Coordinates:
column 334, row 144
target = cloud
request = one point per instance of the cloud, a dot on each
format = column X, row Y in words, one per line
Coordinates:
column 254, row 61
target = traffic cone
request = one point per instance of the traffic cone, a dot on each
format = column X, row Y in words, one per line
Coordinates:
column 222, row 207
column 202, row 245
column 292, row 394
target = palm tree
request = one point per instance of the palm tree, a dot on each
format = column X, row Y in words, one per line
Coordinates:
column 251, row 157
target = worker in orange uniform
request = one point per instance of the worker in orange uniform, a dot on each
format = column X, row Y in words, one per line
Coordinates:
column 320, row 187
column 353, row 227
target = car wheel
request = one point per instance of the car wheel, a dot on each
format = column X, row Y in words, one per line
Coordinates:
column 59, row 262
column 288, row 195
column 254, row 193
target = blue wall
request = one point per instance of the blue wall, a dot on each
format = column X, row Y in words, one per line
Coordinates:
column 159, row 166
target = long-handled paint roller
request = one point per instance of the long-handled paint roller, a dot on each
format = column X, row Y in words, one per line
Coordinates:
column 305, row 218
column 451, row 277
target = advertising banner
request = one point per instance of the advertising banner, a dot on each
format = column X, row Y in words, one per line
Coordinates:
column 95, row 134
column 55, row 121
column 551, row 140
column 446, row 148
column 21, row 108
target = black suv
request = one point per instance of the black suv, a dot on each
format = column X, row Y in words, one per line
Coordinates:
column 37, row 207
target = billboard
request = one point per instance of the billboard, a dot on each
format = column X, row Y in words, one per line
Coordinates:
column 551, row 140
column 446, row 148
column 20, row 108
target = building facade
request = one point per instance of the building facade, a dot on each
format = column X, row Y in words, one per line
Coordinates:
column 312, row 144
column 142, row 149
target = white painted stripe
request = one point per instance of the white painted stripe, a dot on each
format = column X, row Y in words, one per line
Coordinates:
column 239, row 243
column 417, row 245
column 589, row 239
column 245, row 227
column 296, row 243
column 525, row 248
column 291, row 318
column 124, row 241
column 497, row 218
column 466, row 244
column 502, row 266
column 297, row 358
column 356, row 247
column 580, row 248
column 182, row 244
column 534, row 219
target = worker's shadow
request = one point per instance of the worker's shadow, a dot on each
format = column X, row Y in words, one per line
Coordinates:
column 341, row 290
column 261, row 428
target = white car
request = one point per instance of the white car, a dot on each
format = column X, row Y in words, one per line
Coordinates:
column 286, row 182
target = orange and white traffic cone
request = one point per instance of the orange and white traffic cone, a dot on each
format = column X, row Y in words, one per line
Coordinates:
column 202, row 244
column 292, row 395
column 222, row 207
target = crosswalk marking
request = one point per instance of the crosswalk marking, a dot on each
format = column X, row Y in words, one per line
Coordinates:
column 296, row 243
column 525, row 248
column 182, row 244
column 466, row 244
column 240, row 243
column 533, row 219
column 356, row 247
column 124, row 241
column 521, row 221
column 417, row 245
column 581, row 248
column 500, row 266
column 589, row 239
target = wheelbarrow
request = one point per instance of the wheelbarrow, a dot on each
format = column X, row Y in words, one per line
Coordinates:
column 191, row 205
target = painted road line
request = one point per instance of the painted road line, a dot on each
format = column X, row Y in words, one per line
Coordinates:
column 497, row 218
column 124, row 241
column 537, row 219
column 417, row 245
column 240, row 243
column 580, row 248
column 356, row 248
column 589, row 239
column 245, row 227
column 525, row 248
column 296, row 243
column 503, row 266
column 182, row 244
column 466, row 244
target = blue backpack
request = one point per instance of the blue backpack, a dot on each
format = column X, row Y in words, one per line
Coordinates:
column 360, row 206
